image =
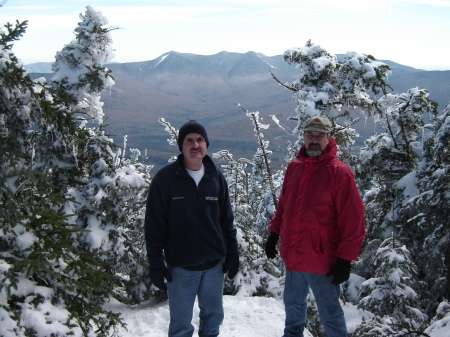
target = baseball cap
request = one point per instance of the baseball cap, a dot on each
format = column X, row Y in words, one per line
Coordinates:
column 320, row 124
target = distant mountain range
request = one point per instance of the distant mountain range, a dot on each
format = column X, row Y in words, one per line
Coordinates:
column 180, row 87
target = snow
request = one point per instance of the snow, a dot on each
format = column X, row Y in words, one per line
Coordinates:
column 409, row 185
column 353, row 316
column 162, row 59
column 96, row 235
column 322, row 62
column 244, row 317
column 26, row 240
column 441, row 327
column 36, row 319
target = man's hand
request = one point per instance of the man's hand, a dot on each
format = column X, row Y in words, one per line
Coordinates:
column 270, row 246
column 157, row 276
column 340, row 270
column 231, row 265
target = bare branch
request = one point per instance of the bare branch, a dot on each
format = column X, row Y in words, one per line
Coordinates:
column 265, row 154
column 283, row 84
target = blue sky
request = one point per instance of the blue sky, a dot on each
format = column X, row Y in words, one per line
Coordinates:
column 410, row 32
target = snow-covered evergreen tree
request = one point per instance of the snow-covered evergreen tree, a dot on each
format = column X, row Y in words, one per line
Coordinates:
column 389, row 294
column 426, row 212
column 79, row 73
column 235, row 171
column 43, row 274
column 133, row 176
column 110, row 200
column 257, row 275
column 387, row 161
column 337, row 90
column 390, row 155
column 72, row 214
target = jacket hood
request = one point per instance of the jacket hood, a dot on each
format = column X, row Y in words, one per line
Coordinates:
column 329, row 152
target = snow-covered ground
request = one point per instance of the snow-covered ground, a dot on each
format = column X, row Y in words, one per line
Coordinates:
column 244, row 317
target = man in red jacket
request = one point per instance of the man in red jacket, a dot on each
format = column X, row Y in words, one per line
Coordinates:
column 320, row 219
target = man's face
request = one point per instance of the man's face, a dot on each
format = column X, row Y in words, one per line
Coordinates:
column 315, row 142
column 194, row 149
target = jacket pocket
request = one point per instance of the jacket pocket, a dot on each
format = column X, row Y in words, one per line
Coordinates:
column 317, row 241
column 309, row 242
column 329, row 238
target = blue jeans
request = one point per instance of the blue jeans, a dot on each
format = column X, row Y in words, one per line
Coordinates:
column 182, row 291
column 296, row 289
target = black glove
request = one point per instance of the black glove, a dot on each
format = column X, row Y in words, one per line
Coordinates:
column 341, row 271
column 270, row 246
column 231, row 265
column 157, row 276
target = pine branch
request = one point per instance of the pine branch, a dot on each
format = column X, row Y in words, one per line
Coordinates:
column 408, row 331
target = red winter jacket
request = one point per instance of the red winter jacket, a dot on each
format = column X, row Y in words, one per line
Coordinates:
column 320, row 215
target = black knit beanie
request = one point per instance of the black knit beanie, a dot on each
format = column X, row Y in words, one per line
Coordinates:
column 191, row 127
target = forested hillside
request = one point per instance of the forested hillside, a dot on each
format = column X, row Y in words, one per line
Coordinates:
column 73, row 202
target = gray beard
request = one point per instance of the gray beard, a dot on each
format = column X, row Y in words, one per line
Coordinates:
column 313, row 153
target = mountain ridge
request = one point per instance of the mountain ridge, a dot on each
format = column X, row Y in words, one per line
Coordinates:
column 179, row 87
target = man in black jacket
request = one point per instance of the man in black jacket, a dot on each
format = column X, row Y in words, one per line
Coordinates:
column 190, row 236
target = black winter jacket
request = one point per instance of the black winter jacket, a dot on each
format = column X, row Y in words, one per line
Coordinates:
column 192, row 225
